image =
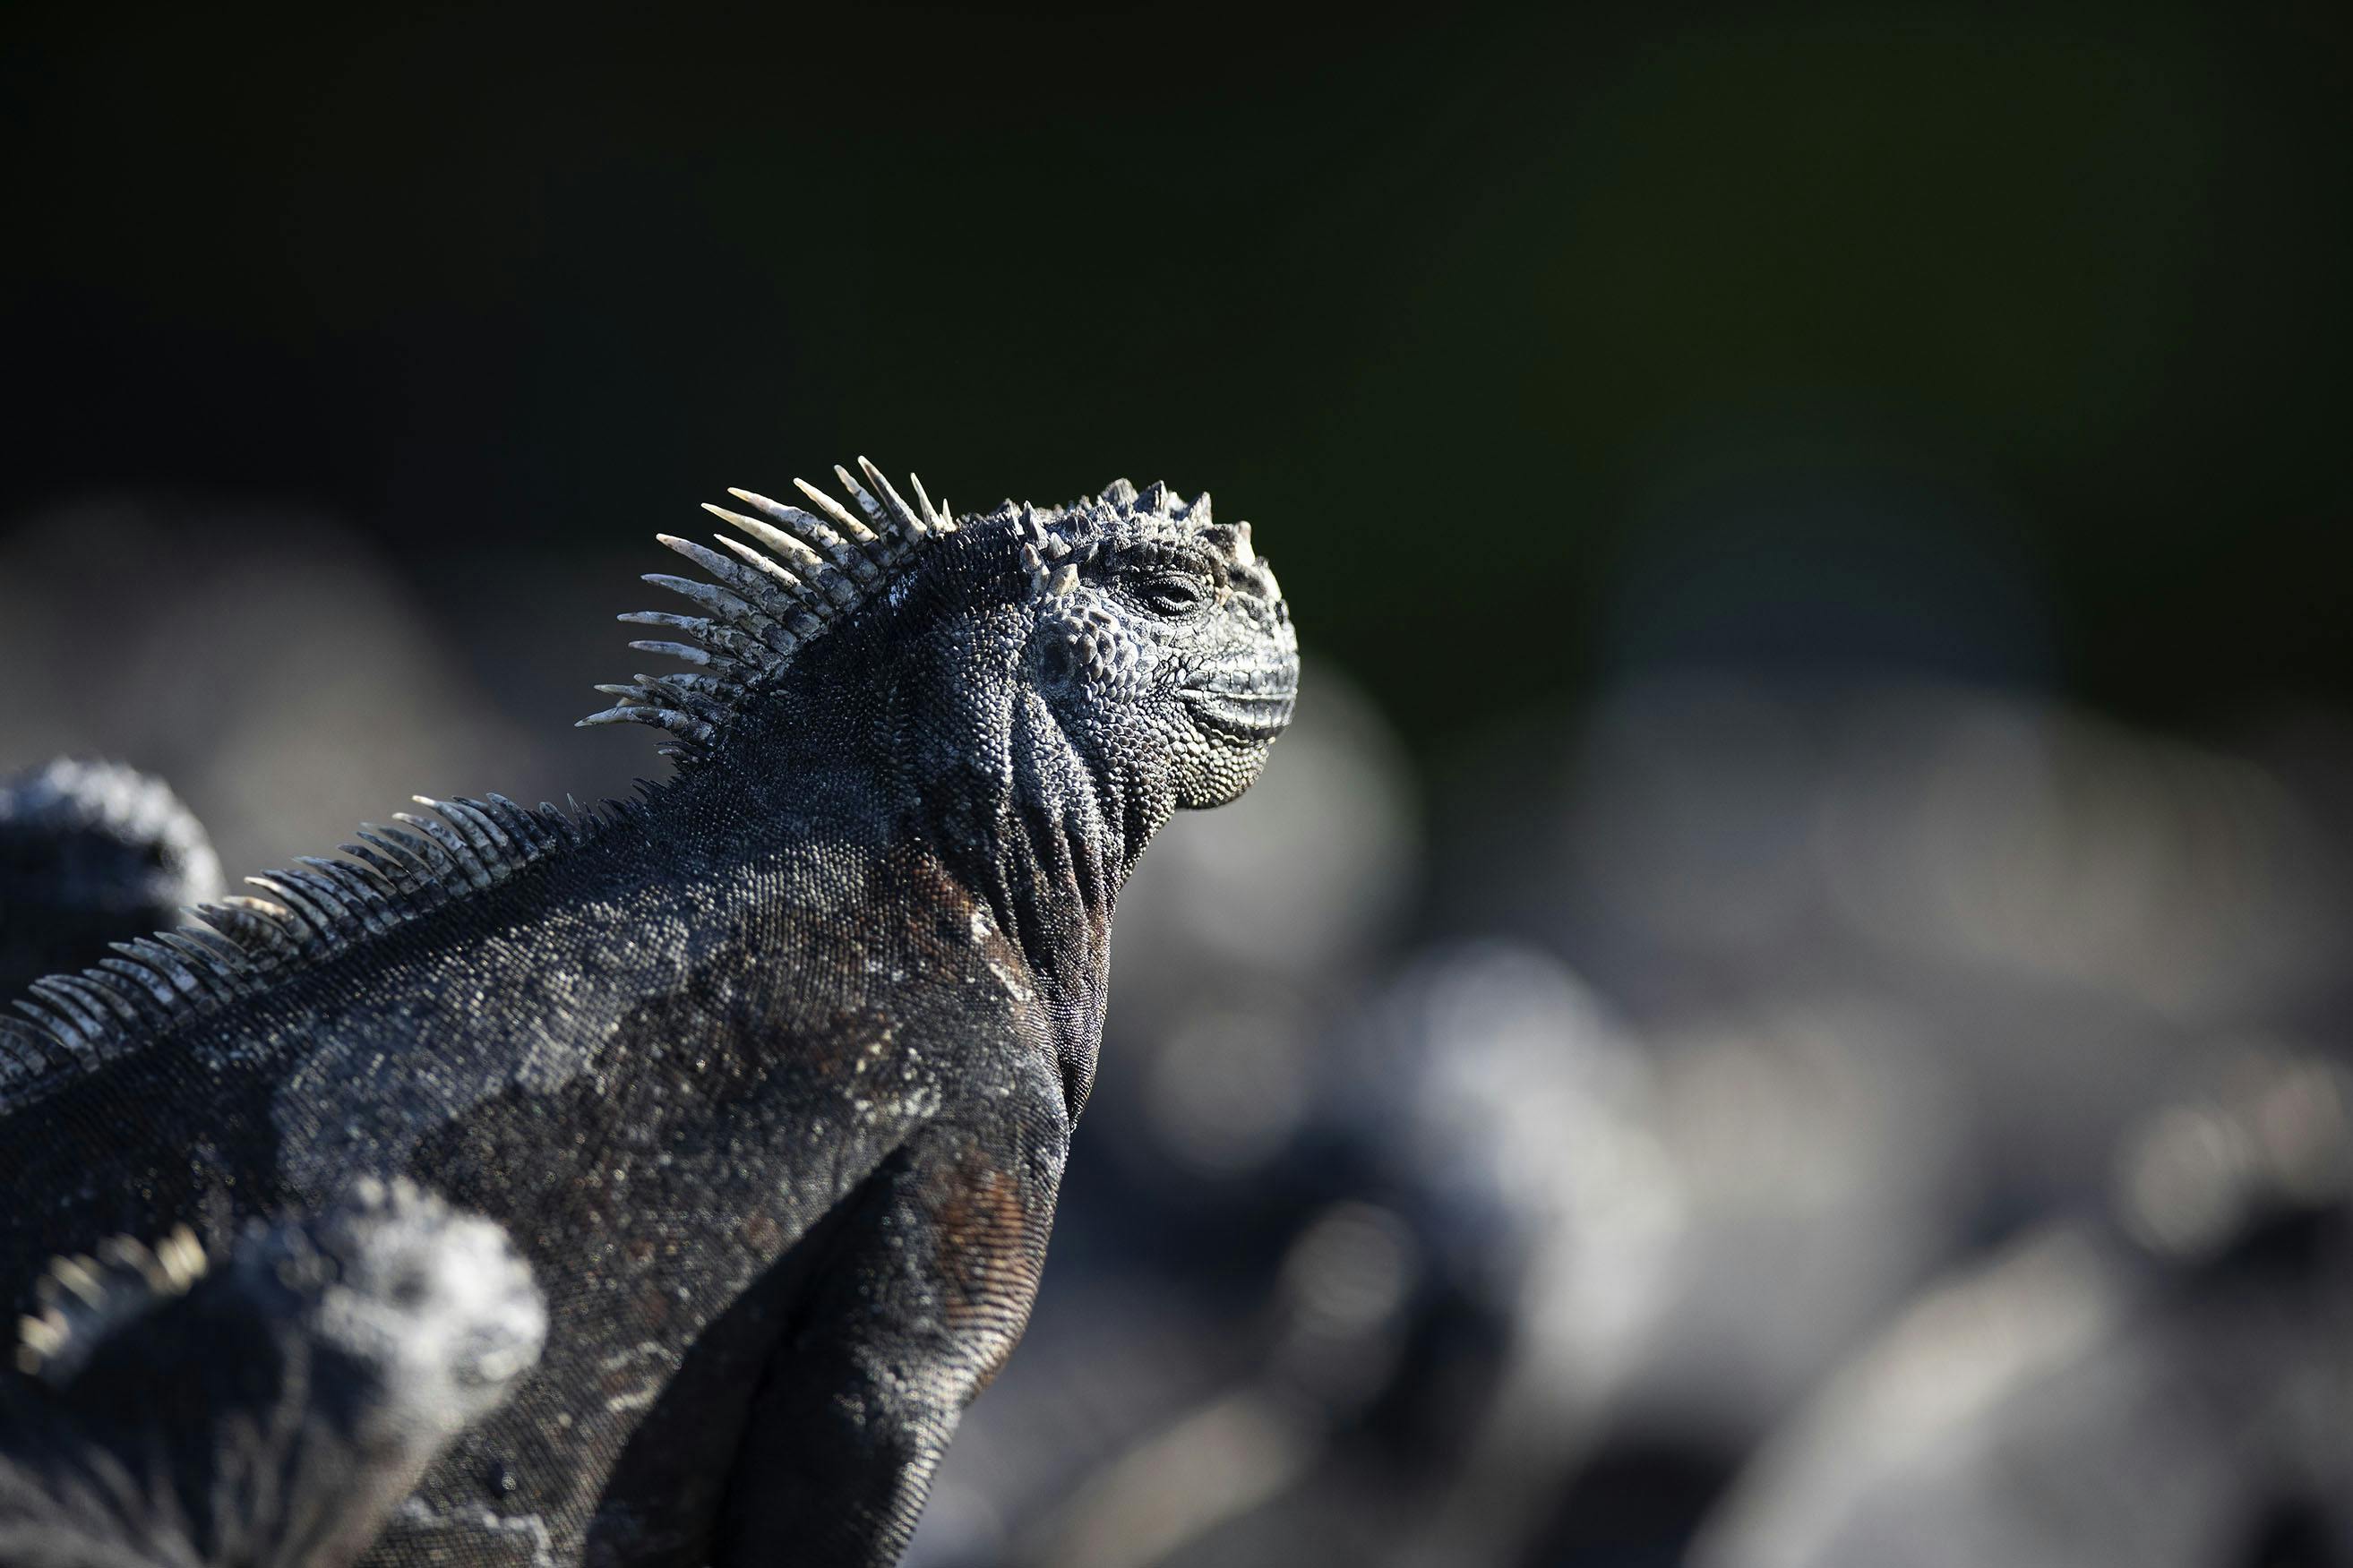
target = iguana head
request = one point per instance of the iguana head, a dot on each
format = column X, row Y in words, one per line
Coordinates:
column 1151, row 634
column 1157, row 632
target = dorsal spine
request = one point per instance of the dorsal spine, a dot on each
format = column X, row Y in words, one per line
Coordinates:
column 319, row 908
column 760, row 608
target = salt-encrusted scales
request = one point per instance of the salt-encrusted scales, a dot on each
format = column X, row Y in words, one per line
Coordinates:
column 834, row 991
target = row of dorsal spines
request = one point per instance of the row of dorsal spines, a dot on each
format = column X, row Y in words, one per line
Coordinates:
column 764, row 604
column 320, row 907
column 84, row 1298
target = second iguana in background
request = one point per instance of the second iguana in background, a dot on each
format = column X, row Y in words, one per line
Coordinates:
column 770, row 1075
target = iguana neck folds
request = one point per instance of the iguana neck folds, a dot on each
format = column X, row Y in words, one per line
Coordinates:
column 1039, row 831
column 1071, row 831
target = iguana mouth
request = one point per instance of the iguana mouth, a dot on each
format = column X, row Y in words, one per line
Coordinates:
column 1239, row 714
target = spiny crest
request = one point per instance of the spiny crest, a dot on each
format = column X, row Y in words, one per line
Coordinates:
column 71, row 1022
column 83, row 1299
column 1057, row 541
column 763, row 606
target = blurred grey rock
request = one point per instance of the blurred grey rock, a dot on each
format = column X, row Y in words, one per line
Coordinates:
column 2061, row 909
column 2081, row 1401
column 1689, row 1229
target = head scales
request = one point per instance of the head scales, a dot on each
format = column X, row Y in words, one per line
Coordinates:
column 1057, row 541
column 822, row 565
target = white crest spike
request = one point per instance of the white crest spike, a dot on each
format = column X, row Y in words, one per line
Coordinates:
column 784, row 580
column 774, row 509
column 809, row 545
column 804, row 529
column 793, row 549
column 866, row 502
column 904, row 515
column 836, row 511
column 690, row 654
column 941, row 522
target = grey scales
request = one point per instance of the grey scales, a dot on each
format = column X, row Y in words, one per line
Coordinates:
column 769, row 1073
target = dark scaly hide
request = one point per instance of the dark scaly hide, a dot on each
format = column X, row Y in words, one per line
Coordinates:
column 770, row 1073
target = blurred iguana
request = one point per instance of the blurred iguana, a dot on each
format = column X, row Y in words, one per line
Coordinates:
column 265, row 1410
column 770, row 1074
column 91, row 853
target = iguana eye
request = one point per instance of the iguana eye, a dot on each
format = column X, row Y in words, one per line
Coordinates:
column 1174, row 593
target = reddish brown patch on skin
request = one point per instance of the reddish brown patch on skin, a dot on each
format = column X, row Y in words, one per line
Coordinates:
column 839, row 1039
column 941, row 909
column 981, row 1240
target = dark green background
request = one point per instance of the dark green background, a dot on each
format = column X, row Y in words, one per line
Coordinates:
column 2004, row 342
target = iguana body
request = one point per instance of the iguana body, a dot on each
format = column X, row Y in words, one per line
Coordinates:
column 770, row 1075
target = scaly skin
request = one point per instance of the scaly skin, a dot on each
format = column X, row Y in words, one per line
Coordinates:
column 771, row 1077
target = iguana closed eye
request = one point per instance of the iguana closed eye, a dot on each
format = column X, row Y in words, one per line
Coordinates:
column 770, row 1074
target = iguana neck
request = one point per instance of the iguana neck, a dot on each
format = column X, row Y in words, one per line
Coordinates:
column 942, row 743
column 1048, row 849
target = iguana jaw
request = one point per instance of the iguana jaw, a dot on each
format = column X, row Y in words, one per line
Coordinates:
column 1251, row 717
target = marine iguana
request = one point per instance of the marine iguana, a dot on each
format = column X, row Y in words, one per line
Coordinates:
column 92, row 852
column 266, row 1411
column 770, row 1072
